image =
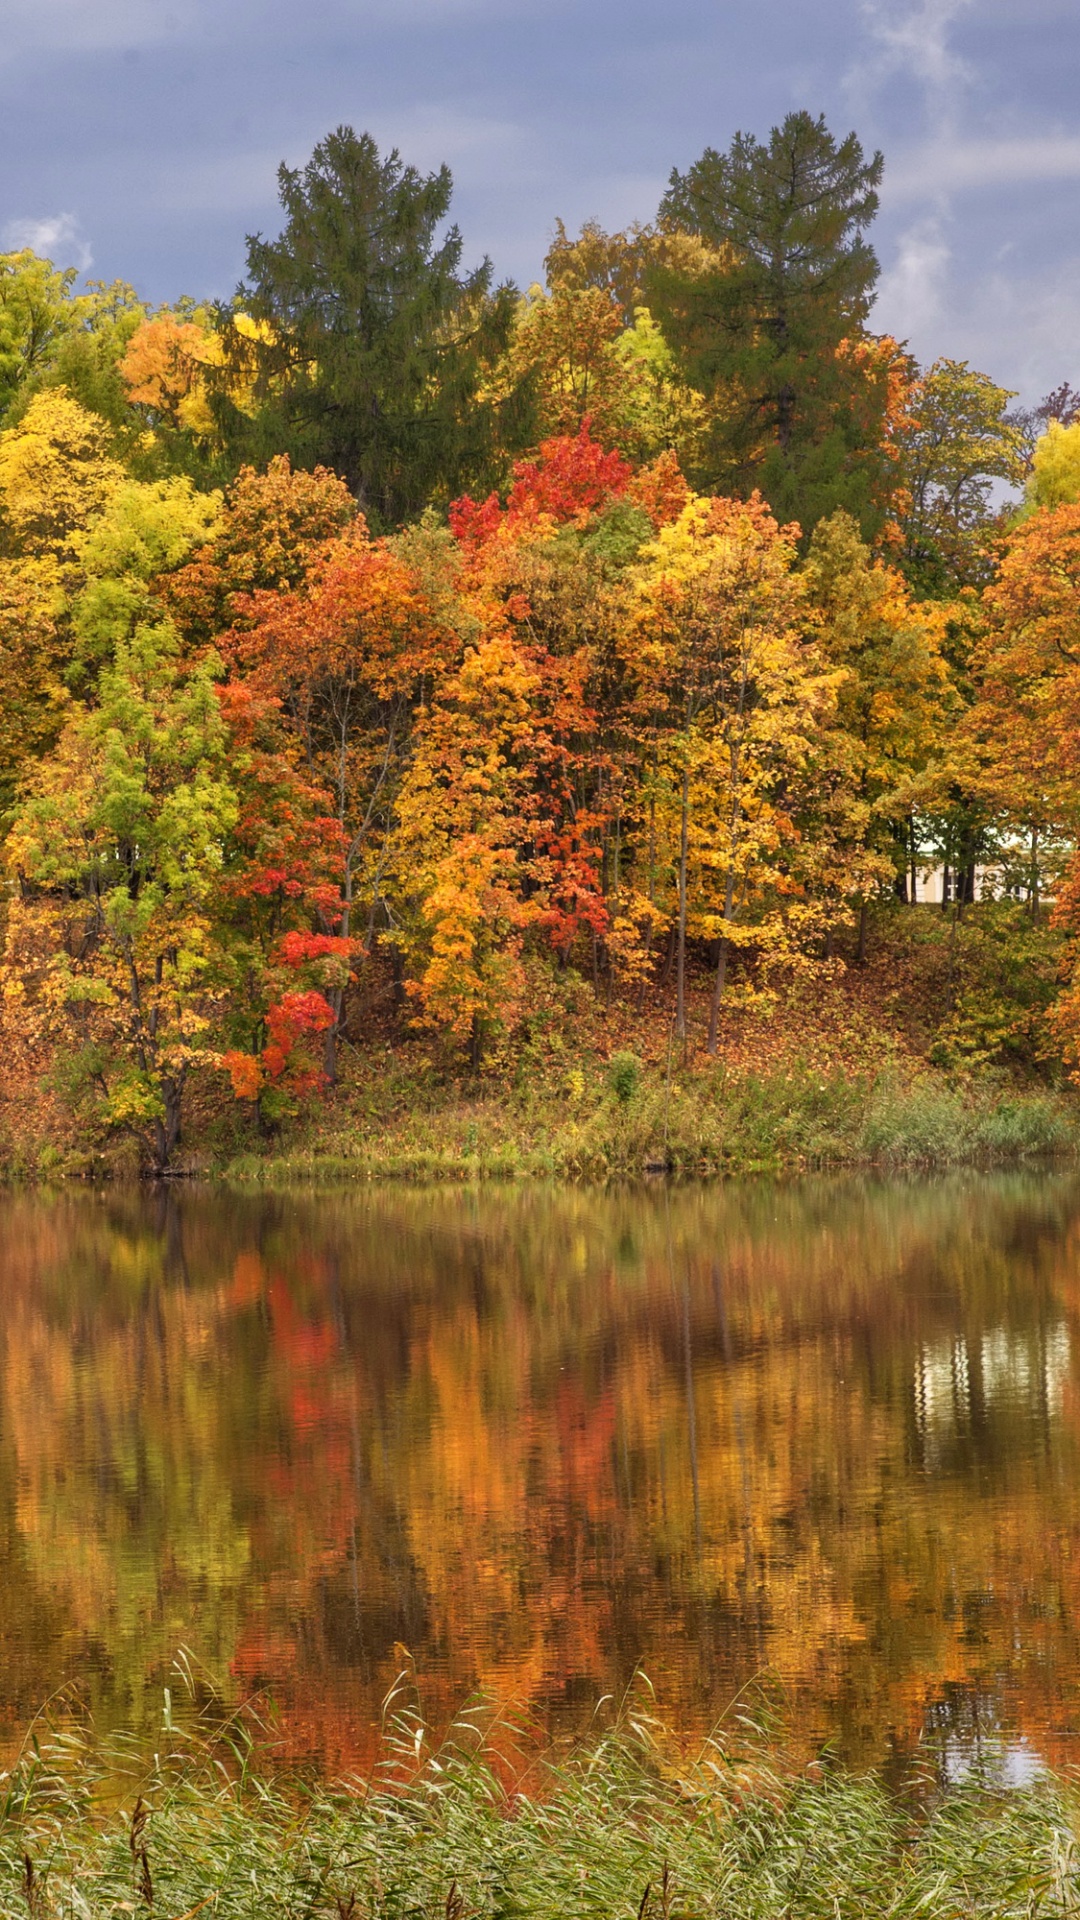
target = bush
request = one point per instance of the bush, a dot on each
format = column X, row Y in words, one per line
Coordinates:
column 624, row 1076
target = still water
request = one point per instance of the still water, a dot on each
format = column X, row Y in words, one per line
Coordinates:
column 824, row 1435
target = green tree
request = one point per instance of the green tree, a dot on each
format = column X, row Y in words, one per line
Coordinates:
column 957, row 442
column 119, row 850
column 761, row 323
column 370, row 345
column 53, row 336
column 37, row 312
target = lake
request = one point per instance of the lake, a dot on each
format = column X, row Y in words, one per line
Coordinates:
column 816, row 1444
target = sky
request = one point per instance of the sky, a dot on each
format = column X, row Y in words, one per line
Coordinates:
column 140, row 139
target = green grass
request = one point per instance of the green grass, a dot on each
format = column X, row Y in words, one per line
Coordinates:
column 707, row 1122
column 478, row 1827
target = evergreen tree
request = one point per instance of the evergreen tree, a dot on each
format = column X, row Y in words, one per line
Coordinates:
column 766, row 321
column 370, row 346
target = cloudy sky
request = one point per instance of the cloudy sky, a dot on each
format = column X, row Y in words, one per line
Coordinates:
column 139, row 139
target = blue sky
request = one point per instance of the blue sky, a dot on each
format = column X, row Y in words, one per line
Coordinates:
column 140, row 138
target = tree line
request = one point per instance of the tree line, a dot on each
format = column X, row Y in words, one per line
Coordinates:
column 388, row 616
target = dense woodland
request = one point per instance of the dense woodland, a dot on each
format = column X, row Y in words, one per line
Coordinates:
column 389, row 632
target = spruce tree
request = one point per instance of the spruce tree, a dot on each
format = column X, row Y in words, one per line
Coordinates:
column 785, row 279
column 370, row 345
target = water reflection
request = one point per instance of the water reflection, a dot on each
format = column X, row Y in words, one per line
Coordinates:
column 828, row 1432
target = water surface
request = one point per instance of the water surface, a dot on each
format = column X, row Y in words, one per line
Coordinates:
column 827, row 1433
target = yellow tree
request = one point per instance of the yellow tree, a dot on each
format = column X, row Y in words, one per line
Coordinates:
column 728, row 692
column 56, row 476
column 462, row 816
column 894, row 692
column 584, row 365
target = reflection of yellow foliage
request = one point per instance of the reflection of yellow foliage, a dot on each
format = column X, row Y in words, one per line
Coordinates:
column 540, row 1437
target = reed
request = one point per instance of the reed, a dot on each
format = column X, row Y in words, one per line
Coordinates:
column 477, row 1825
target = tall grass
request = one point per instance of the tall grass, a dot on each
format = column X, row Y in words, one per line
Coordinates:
column 708, row 1122
column 623, row 1827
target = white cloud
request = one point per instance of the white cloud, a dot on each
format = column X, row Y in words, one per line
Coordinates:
column 914, row 40
column 911, row 292
column 953, row 165
column 940, row 290
column 56, row 237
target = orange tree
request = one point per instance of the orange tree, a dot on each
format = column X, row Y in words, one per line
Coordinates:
column 346, row 656
column 1023, row 721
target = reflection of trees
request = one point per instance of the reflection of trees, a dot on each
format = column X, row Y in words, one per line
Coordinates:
column 829, row 1430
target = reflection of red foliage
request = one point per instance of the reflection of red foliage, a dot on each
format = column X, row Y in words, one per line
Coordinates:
column 586, row 1431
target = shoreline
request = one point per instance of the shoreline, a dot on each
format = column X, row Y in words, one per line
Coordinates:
column 705, row 1126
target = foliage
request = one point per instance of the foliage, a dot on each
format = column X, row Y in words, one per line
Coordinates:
column 894, row 697
column 509, row 654
column 52, row 336
column 1055, row 468
column 56, row 476
column 37, row 311
column 957, row 439
column 584, row 366
column 727, row 694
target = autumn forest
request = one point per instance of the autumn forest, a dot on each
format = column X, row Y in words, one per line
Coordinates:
column 396, row 666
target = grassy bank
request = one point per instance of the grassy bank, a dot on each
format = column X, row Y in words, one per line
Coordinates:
column 706, row 1123
column 934, row 1053
column 625, row 1827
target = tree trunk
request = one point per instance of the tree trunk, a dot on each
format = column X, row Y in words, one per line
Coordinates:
column 680, row 988
column 397, row 972
column 945, row 887
column 864, row 919
column 167, row 1129
column 721, row 967
column 1033, row 888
